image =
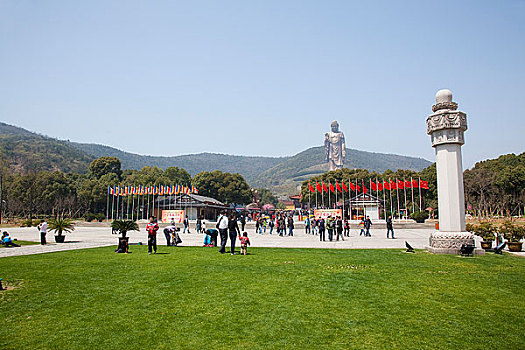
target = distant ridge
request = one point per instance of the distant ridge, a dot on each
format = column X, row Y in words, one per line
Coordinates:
column 248, row 166
column 22, row 150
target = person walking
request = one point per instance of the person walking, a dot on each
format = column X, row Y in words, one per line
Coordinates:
column 243, row 222
column 271, row 224
column 362, row 231
column 199, row 225
column 339, row 229
column 42, row 228
column 347, row 228
column 330, row 226
column 389, row 227
column 307, row 225
column 281, row 227
column 321, row 230
column 368, row 224
column 257, row 223
column 233, row 228
column 186, row 224
column 290, row 226
column 222, row 226
column 152, row 229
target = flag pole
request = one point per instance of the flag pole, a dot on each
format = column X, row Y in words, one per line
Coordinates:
column 143, row 195
column 122, row 205
column 363, row 196
column 138, row 204
column 309, row 198
column 390, row 190
column 118, row 200
column 316, row 195
column 335, row 194
column 349, row 201
column 384, row 202
column 419, row 186
column 329, row 202
column 112, row 203
column 107, row 204
column 133, row 205
column 405, row 194
column 343, row 195
column 397, row 196
column 322, row 192
column 412, row 189
column 153, row 205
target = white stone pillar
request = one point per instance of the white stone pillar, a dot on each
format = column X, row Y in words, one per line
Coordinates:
column 446, row 127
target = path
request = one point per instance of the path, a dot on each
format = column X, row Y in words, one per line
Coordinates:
column 91, row 237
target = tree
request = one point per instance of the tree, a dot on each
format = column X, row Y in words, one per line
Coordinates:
column 105, row 165
column 178, row 176
column 266, row 197
column 225, row 187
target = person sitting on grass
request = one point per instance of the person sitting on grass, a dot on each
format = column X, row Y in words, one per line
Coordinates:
column 245, row 242
column 7, row 241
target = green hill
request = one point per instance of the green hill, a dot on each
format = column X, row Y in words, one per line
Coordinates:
column 21, row 150
column 286, row 176
column 248, row 167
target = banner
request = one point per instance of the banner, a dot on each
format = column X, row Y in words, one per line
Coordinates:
column 176, row 215
column 325, row 213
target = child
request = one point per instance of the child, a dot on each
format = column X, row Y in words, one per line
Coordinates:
column 245, row 242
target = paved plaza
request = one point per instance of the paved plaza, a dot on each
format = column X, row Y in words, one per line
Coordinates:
column 91, row 236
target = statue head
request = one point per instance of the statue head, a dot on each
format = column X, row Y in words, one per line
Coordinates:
column 335, row 126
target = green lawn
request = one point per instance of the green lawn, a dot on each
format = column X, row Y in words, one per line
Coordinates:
column 22, row 243
column 194, row 298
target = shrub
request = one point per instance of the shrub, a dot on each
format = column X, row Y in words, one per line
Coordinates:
column 419, row 216
column 512, row 232
column 60, row 225
column 485, row 230
column 100, row 217
column 124, row 226
column 26, row 223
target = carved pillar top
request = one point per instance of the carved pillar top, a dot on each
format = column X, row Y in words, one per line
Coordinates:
column 446, row 124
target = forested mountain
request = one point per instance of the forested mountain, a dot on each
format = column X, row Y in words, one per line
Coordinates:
column 22, row 150
column 248, row 167
column 290, row 173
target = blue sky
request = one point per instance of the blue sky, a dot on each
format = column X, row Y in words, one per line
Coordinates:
column 263, row 77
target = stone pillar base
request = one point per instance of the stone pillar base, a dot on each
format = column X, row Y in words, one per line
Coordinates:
column 451, row 242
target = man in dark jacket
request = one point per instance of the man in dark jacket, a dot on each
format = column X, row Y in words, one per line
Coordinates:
column 368, row 223
column 339, row 229
column 243, row 222
column 233, row 228
column 290, row 226
column 389, row 227
column 321, row 225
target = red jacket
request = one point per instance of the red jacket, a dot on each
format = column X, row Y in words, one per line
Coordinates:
column 152, row 228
